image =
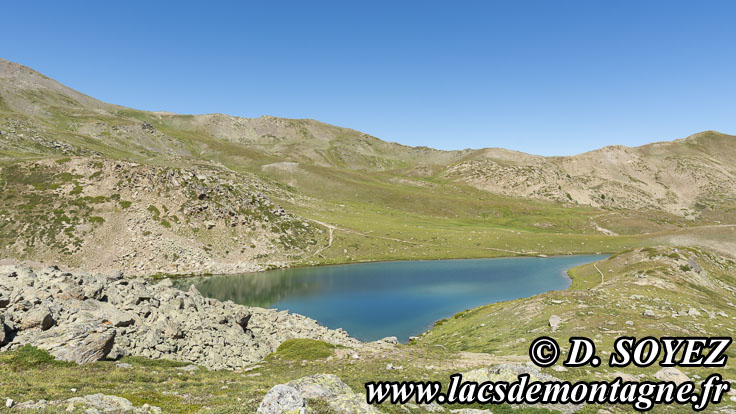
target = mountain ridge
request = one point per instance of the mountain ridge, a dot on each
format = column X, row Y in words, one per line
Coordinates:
column 8, row 68
column 305, row 192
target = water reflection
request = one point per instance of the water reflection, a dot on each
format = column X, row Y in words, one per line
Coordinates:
column 258, row 289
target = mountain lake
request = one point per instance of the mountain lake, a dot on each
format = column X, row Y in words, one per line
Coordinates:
column 374, row 300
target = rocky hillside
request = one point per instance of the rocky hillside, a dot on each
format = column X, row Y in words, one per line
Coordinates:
column 102, row 214
column 681, row 177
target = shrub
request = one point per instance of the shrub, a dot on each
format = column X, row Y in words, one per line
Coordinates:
column 304, row 349
column 154, row 210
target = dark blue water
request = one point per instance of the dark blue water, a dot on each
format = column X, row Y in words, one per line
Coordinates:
column 374, row 300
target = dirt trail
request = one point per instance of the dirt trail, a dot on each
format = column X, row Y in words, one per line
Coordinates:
column 333, row 228
column 601, row 273
column 330, row 227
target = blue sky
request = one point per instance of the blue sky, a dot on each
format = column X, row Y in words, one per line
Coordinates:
column 545, row 77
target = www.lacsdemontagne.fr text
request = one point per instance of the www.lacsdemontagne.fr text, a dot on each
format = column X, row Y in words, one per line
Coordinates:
column 641, row 396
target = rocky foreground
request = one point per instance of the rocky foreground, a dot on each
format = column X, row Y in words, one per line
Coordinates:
column 83, row 317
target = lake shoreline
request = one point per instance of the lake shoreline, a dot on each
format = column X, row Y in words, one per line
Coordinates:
column 159, row 276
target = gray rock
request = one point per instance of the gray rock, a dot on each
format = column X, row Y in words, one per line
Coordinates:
column 117, row 275
column 115, row 316
column 81, row 343
column 37, row 318
column 281, row 399
column 389, row 340
column 338, row 395
column 2, row 329
column 320, row 386
column 554, row 322
column 165, row 283
column 104, row 403
column 694, row 264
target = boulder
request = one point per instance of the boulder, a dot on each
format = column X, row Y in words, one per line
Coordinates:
column 94, row 403
column 391, row 340
column 241, row 319
column 281, row 399
column 82, row 343
column 320, row 386
column 104, row 403
column 37, row 318
column 554, row 322
column 114, row 315
column 338, row 395
column 293, row 397
column 649, row 313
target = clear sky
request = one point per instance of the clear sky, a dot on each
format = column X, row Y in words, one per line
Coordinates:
column 545, row 77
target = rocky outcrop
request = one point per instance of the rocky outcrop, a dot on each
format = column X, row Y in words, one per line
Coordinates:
column 94, row 403
column 293, row 397
column 84, row 317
